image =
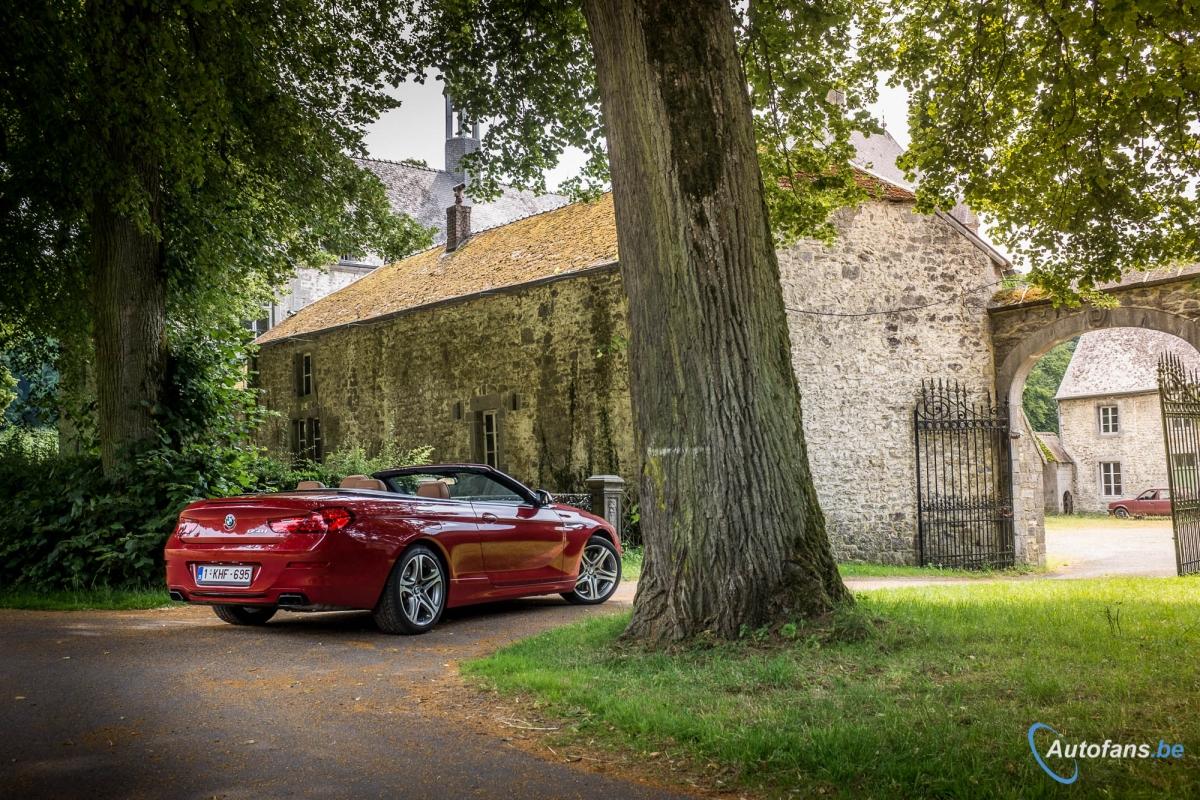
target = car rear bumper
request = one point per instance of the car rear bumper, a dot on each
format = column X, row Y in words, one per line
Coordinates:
column 297, row 579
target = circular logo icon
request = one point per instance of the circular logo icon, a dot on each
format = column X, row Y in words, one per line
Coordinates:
column 1041, row 726
column 230, row 521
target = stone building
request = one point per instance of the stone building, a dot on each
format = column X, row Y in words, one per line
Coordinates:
column 1058, row 474
column 1110, row 422
column 510, row 349
column 422, row 193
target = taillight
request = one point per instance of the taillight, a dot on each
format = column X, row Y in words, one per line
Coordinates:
column 325, row 520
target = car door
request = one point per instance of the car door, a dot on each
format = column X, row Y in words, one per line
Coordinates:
column 1144, row 503
column 1162, row 503
column 522, row 544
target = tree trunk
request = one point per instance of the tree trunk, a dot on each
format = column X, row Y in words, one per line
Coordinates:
column 734, row 534
column 128, row 318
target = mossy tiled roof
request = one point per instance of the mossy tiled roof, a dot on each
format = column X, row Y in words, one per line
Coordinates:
column 563, row 240
column 567, row 239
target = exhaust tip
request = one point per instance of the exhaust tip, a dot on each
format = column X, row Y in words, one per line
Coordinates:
column 177, row 596
column 293, row 599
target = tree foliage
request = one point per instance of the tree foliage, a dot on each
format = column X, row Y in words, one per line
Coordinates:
column 526, row 68
column 1042, row 384
column 1074, row 127
column 222, row 129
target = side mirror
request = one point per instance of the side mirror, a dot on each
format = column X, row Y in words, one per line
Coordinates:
column 543, row 497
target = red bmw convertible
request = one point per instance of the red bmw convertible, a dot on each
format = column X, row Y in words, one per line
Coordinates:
column 405, row 544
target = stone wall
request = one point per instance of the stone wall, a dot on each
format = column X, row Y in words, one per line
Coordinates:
column 560, row 348
column 1029, row 509
column 859, row 376
column 549, row 360
column 1138, row 446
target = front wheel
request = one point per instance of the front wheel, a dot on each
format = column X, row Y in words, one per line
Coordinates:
column 599, row 573
column 415, row 595
column 1121, row 513
column 245, row 615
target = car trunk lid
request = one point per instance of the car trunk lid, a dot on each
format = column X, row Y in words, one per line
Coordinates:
column 240, row 520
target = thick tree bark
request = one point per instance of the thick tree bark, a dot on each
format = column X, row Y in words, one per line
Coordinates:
column 734, row 534
column 128, row 283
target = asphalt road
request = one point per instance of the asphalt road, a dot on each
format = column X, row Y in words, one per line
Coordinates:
column 173, row 703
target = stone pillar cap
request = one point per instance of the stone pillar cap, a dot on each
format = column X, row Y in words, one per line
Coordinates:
column 605, row 479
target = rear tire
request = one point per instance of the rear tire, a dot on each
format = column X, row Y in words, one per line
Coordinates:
column 245, row 615
column 599, row 573
column 415, row 595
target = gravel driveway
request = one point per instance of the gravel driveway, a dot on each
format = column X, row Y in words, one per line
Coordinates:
column 1085, row 547
column 173, row 703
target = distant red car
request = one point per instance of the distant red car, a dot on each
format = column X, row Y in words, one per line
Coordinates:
column 1152, row 502
column 405, row 544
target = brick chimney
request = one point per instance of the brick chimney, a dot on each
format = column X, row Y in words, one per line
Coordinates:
column 458, row 221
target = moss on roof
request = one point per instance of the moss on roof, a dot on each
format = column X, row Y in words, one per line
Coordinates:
column 563, row 240
column 567, row 239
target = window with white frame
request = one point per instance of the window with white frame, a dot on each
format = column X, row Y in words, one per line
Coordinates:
column 306, row 375
column 1110, row 479
column 1184, row 465
column 489, row 439
column 1110, row 419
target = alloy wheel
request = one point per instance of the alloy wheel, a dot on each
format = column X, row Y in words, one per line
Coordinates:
column 597, row 572
column 421, row 589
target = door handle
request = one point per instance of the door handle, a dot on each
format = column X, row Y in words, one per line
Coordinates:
column 488, row 516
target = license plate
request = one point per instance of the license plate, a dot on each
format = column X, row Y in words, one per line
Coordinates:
column 212, row 575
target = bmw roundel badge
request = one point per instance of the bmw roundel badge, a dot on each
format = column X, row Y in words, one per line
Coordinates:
column 230, row 521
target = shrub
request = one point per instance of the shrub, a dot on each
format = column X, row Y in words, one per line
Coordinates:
column 70, row 526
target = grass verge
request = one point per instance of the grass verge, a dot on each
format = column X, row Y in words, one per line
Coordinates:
column 103, row 598
column 923, row 692
column 631, row 563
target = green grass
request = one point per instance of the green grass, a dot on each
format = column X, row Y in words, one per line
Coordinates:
column 103, row 598
column 921, row 692
column 631, row 563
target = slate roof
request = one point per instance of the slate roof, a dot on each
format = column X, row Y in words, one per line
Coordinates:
column 424, row 193
column 564, row 240
column 1120, row 361
column 1052, row 449
column 878, row 153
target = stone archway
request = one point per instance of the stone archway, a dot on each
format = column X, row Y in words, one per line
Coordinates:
column 1024, row 331
column 1013, row 366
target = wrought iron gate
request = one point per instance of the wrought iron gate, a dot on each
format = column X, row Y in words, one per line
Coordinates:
column 964, row 479
column 1179, row 396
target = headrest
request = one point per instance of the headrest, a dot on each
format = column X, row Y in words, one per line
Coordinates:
column 310, row 485
column 435, row 489
column 363, row 482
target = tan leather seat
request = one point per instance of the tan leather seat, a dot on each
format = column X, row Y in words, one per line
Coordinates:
column 310, row 485
column 434, row 489
column 363, row 482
